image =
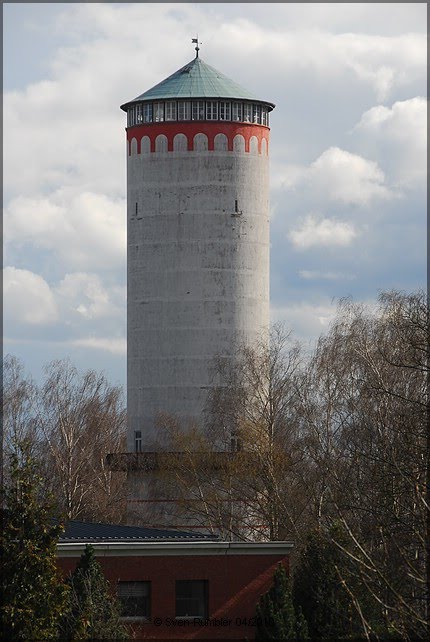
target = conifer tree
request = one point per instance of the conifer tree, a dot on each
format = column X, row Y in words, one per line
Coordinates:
column 275, row 613
column 34, row 595
column 94, row 612
column 318, row 590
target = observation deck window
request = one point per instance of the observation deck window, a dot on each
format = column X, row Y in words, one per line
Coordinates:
column 264, row 116
column 171, row 110
column 139, row 114
column 247, row 113
column 187, row 110
column 198, row 112
column 237, row 110
column 130, row 117
column 158, row 112
column 224, row 110
column 184, row 110
column 211, row 110
column 147, row 113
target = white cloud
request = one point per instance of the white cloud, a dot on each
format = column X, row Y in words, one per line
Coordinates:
column 115, row 345
column 287, row 176
column 83, row 295
column 79, row 304
column 327, row 232
column 312, row 318
column 346, row 177
column 307, row 319
column 338, row 17
column 337, row 176
column 381, row 63
column 311, row 275
column 28, row 298
column 399, row 133
column 83, row 230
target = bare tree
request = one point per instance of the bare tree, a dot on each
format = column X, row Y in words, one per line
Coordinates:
column 364, row 411
column 241, row 475
column 19, row 422
column 71, row 422
column 82, row 419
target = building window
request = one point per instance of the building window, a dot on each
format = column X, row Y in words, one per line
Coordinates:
column 211, row 110
column 198, row 110
column 235, row 444
column 224, row 110
column 171, row 110
column 135, row 598
column 184, row 110
column 264, row 116
column 139, row 116
column 137, row 433
column 247, row 112
column 236, row 111
column 147, row 113
column 158, row 112
column 192, row 598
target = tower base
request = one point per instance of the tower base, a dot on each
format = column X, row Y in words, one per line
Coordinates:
column 187, row 491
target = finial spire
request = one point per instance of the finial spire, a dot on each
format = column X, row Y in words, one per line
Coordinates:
column 197, row 43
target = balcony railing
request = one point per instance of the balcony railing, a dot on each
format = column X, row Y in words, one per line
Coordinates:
column 158, row 461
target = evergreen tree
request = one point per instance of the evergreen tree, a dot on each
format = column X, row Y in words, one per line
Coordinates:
column 34, row 596
column 318, row 590
column 276, row 615
column 94, row 612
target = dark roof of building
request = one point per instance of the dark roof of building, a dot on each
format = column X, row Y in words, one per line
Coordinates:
column 89, row 532
column 196, row 79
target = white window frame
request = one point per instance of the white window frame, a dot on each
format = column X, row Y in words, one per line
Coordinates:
column 184, row 110
column 224, row 110
column 139, row 114
column 237, row 112
column 130, row 114
column 158, row 112
column 170, row 110
column 147, row 113
column 137, row 433
column 198, row 110
column 247, row 113
column 264, row 114
column 211, row 110
column 256, row 113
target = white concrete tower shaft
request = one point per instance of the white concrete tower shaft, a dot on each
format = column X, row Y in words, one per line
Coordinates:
column 198, row 240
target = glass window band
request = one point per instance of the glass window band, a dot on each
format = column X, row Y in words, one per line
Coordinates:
column 191, row 110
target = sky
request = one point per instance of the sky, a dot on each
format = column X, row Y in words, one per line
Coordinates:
column 347, row 169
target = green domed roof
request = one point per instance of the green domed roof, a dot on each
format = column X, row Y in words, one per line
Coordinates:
column 196, row 80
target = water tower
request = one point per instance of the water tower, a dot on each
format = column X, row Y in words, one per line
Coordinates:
column 198, row 243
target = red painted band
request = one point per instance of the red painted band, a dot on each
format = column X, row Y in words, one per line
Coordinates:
column 190, row 129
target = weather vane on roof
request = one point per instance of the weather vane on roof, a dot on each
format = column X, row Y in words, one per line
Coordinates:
column 197, row 43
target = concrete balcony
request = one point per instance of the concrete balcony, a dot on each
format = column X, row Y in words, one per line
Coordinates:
column 159, row 461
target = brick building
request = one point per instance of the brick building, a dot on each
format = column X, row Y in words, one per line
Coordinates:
column 177, row 584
